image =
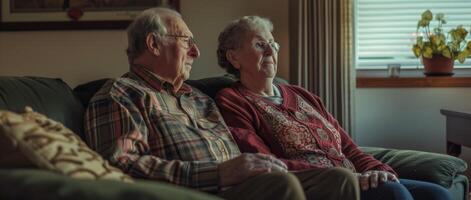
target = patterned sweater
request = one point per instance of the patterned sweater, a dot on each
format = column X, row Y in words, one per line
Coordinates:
column 299, row 131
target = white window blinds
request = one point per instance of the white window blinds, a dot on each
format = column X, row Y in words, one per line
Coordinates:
column 385, row 29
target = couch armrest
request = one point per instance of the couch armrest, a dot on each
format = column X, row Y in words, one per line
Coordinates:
column 44, row 185
column 418, row 165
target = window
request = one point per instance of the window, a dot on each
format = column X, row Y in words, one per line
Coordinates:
column 385, row 29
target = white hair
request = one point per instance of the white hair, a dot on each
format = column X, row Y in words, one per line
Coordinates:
column 150, row 21
column 231, row 36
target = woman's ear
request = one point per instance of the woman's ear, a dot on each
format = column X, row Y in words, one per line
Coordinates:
column 232, row 57
column 152, row 45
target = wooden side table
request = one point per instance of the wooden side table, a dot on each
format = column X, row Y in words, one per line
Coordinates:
column 458, row 131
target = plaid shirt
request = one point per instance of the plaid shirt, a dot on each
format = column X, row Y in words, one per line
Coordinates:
column 141, row 126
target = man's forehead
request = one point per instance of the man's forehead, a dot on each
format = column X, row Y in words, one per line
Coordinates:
column 176, row 26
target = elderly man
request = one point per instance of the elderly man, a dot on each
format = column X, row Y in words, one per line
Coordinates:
column 154, row 126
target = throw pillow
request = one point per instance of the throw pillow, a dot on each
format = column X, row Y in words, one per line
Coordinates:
column 47, row 144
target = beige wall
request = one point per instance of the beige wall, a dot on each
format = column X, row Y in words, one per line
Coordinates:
column 75, row 56
column 81, row 56
column 408, row 118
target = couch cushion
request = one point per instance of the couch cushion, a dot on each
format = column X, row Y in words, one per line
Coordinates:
column 210, row 86
column 418, row 165
column 49, row 145
column 49, row 96
column 86, row 91
column 44, row 185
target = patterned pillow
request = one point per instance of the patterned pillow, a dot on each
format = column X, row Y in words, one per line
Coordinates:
column 48, row 144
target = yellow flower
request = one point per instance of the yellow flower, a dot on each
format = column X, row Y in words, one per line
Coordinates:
column 440, row 16
column 428, row 43
column 428, row 52
column 446, row 52
column 461, row 32
column 417, row 51
column 423, row 23
column 441, row 47
column 462, row 56
column 420, row 41
column 427, row 15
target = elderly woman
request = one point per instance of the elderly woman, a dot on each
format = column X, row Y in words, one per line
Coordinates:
column 291, row 123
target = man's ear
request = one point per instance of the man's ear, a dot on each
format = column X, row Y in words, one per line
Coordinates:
column 233, row 58
column 152, row 45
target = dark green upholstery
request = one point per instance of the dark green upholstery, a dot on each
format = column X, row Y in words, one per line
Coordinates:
column 38, row 184
column 211, row 86
column 52, row 97
column 419, row 165
column 432, row 167
column 55, row 99
column 86, row 91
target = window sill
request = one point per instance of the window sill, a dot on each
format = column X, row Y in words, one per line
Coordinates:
column 411, row 78
column 412, row 82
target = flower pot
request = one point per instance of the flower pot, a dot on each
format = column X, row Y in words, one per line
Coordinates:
column 438, row 65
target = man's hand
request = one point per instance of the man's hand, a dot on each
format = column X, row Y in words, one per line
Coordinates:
column 242, row 167
column 371, row 179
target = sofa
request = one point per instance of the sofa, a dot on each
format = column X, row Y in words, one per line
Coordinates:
column 56, row 100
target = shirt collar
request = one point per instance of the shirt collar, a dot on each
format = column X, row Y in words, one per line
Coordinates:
column 288, row 103
column 156, row 82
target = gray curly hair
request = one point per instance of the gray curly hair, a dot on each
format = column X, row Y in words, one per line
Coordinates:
column 152, row 20
column 233, row 34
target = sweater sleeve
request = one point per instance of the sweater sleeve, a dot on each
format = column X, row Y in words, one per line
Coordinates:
column 362, row 161
column 242, row 120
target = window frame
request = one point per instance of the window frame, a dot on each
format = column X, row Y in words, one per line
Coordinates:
column 417, row 65
column 409, row 77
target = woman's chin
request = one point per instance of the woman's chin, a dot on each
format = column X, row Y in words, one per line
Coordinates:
column 270, row 74
column 271, row 71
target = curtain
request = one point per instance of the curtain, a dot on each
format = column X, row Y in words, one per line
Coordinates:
column 321, row 54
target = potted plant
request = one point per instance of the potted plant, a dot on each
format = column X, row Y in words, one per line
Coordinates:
column 437, row 49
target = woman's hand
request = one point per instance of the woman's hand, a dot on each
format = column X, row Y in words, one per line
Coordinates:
column 372, row 178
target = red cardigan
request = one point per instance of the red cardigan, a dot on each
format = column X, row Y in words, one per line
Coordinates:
column 300, row 131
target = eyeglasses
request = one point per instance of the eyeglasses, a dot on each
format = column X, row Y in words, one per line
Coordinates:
column 263, row 46
column 188, row 40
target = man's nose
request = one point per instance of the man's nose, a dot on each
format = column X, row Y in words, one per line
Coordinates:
column 194, row 51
